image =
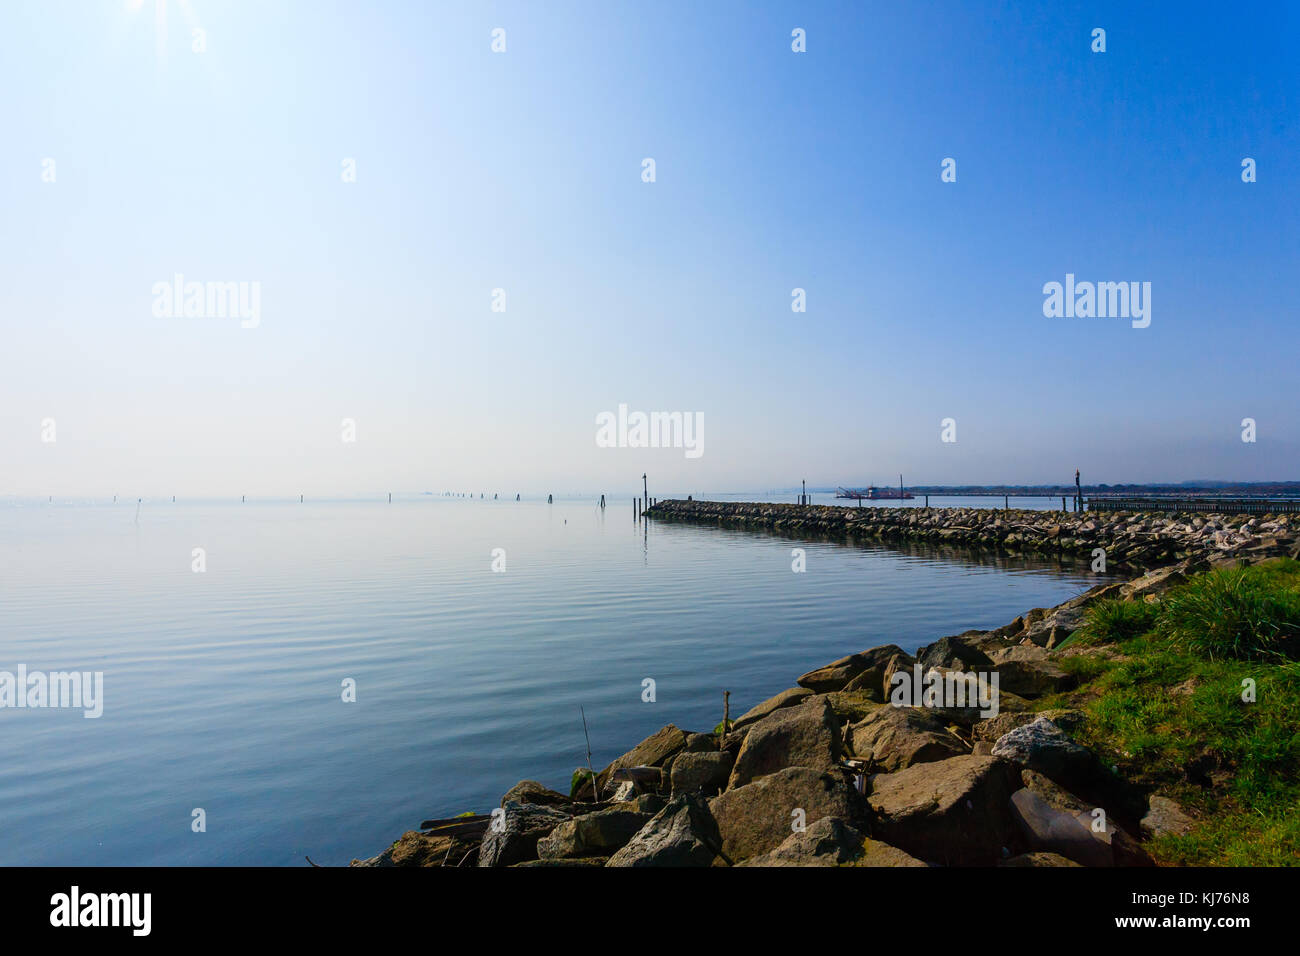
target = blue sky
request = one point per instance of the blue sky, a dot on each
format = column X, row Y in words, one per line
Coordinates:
column 522, row 170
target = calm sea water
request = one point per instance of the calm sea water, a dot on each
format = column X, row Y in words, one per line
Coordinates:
column 223, row 689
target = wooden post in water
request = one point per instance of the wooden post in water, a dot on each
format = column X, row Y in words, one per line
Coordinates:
column 550, row 499
column 645, row 488
column 927, row 501
column 726, row 717
column 1005, row 500
column 602, row 502
column 1078, row 492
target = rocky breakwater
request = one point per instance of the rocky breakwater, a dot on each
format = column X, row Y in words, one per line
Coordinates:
column 837, row 771
column 1131, row 540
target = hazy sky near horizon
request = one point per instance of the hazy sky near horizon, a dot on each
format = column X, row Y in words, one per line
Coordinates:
column 522, row 171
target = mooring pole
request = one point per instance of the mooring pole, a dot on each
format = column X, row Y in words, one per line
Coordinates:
column 645, row 488
column 1078, row 492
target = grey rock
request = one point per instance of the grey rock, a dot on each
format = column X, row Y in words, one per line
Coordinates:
column 1165, row 816
column 707, row 772
column 683, row 833
column 953, row 812
column 759, row 816
column 806, row 736
column 523, row 825
column 592, row 834
column 828, row 841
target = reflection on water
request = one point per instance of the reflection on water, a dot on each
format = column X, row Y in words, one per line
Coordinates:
column 223, row 689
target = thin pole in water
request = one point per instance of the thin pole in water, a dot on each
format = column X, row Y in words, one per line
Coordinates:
column 590, row 769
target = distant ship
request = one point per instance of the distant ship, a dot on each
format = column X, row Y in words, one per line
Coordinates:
column 874, row 494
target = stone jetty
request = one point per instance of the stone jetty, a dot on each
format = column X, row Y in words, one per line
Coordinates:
column 1135, row 541
column 837, row 771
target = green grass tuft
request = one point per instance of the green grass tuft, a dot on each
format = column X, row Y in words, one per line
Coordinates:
column 1235, row 614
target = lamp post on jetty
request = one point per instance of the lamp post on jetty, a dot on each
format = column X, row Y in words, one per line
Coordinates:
column 645, row 491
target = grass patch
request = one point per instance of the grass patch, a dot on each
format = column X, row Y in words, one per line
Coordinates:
column 1205, row 708
column 1237, row 614
column 1111, row 621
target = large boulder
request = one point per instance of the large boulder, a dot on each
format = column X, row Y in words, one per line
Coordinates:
column 654, row 751
column 1051, row 830
column 592, row 834
column 683, row 833
column 953, row 654
column 515, row 831
column 878, row 661
column 1120, row 849
column 706, row 772
column 954, row 811
column 847, row 705
column 786, row 698
column 838, row 674
column 1043, row 747
column 1028, row 677
column 804, row 736
column 757, row 817
column 530, row 791
column 897, row 737
column 828, row 841
column 834, row 675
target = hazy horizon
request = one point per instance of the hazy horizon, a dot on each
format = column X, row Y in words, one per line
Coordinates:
column 134, row 157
